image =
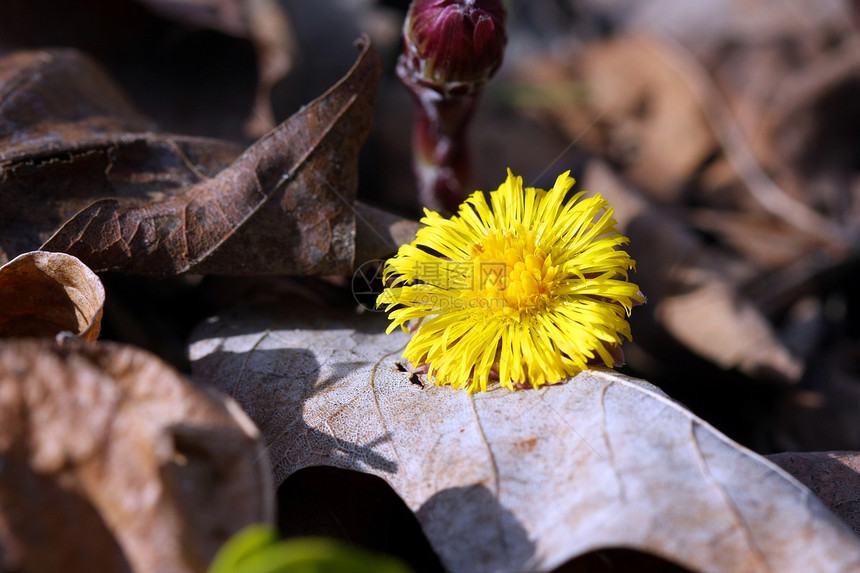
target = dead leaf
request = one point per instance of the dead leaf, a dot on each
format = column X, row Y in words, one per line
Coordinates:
column 68, row 136
column 113, row 462
column 44, row 294
column 515, row 481
column 283, row 207
column 832, row 476
column 378, row 233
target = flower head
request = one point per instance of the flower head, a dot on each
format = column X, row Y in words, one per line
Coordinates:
column 454, row 45
column 529, row 288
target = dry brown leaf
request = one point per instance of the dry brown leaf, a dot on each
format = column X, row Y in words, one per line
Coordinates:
column 379, row 233
column 44, row 294
column 161, row 206
column 113, row 462
column 515, row 481
column 69, row 136
column 833, row 476
column 283, row 207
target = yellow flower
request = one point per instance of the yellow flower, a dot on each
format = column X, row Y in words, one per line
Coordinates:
column 531, row 290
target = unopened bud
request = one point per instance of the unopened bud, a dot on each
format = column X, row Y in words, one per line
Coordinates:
column 454, row 46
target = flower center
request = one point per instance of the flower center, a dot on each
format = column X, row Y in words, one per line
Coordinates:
column 512, row 272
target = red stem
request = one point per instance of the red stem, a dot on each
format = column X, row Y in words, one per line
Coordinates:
column 440, row 144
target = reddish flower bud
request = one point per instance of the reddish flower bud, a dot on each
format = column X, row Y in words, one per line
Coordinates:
column 454, row 46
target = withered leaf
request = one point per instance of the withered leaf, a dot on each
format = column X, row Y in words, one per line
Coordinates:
column 161, row 206
column 515, row 481
column 68, row 136
column 113, row 462
column 378, row 233
column 45, row 294
column 833, row 476
column 283, row 207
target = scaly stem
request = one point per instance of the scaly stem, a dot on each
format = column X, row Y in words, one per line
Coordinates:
column 440, row 147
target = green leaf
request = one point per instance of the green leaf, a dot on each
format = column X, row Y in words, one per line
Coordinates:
column 251, row 540
column 256, row 549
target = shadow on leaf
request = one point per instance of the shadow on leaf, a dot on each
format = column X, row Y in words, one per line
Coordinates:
column 262, row 387
column 486, row 512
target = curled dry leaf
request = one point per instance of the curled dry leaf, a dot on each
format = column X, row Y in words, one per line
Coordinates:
column 283, row 207
column 82, row 172
column 44, row 294
column 833, row 476
column 113, row 462
column 69, row 136
column 516, row 481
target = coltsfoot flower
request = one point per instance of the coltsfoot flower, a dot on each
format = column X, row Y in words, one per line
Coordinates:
column 530, row 289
